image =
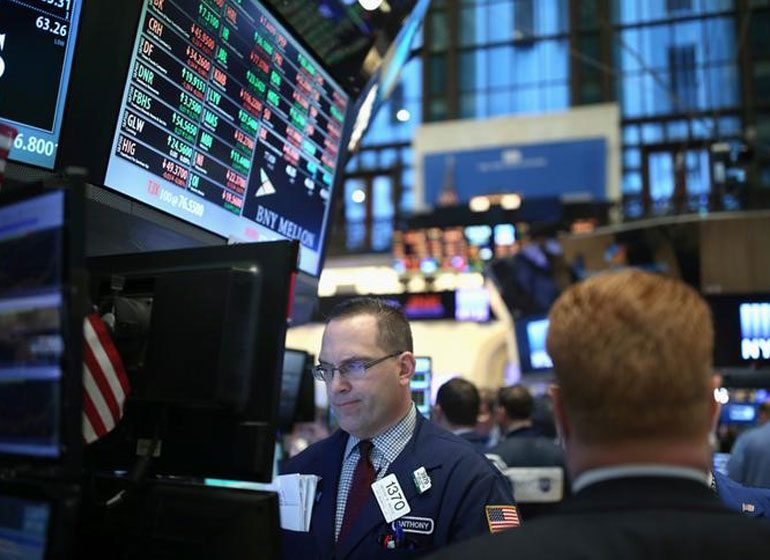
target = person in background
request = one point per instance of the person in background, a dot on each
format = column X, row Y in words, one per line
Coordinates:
column 749, row 462
column 486, row 423
column 523, row 445
column 634, row 406
column 457, row 410
column 392, row 484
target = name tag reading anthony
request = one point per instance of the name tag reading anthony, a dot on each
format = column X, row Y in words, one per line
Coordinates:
column 391, row 498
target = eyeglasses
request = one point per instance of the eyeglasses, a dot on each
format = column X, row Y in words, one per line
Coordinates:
column 354, row 369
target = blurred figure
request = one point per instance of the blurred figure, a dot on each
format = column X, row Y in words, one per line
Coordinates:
column 456, row 410
column 634, row 406
column 486, row 422
column 522, row 444
column 749, row 461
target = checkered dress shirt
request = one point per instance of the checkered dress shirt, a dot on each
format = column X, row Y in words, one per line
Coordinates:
column 387, row 446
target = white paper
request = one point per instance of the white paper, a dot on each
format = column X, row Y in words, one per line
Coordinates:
column 296, row 496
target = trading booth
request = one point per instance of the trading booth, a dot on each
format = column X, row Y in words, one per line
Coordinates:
column 172, row 171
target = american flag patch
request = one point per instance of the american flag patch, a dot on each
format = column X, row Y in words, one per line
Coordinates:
column 500, row 518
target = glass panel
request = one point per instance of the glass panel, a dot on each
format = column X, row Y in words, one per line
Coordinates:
column 503, row 71
column 632, row 182
column 467, row 75
column 468, row 25
column 697, row 172
column 354, row 211
column 500, row 21
column 355, row 235
column 439, row 31
column 382, row 197
column 661, row 173
column 632, row 159
column 652, row 133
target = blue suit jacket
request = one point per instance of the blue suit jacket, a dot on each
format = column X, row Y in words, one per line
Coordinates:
column 463, row 482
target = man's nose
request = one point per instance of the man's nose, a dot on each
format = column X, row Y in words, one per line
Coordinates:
column 338, row 383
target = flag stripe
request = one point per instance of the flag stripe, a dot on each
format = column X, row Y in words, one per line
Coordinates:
column 99, row 377
column 107, row 356
column 97, row 400
column 93, row 416
column 105, row 384
column 88, row 430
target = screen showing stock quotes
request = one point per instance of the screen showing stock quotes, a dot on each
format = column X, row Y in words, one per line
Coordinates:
column 37, row 40
column 228, row 123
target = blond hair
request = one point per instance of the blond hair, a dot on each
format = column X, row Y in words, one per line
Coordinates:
column 632, row 352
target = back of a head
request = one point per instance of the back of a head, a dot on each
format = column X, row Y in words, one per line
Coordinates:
column 459, row 401
column 632, row 353
column 764, row 412
column 394, row 332
column 517, row 402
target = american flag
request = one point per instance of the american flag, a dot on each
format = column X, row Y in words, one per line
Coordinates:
column 500, row 518
column 105, row 384
column 7, row 135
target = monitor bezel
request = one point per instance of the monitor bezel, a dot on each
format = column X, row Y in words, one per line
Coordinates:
column 74, row 309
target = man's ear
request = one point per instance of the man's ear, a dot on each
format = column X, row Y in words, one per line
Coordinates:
column 559, row 414
column 408, row 364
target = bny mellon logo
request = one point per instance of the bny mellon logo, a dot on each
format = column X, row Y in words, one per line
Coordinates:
column 266, row 186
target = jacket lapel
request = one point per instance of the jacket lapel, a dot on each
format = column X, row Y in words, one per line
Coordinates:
column 325, row 508
column 413, row 456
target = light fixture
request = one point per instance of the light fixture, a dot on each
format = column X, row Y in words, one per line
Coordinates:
column 479, row 204
column 370, row 5
column 721, row 395
column 510, row 201
column 358, row 196
column 403, row 115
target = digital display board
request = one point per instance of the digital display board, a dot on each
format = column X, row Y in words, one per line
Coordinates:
column 456, row 249
column 741, row 329
column 37, row 40
column 228, row 123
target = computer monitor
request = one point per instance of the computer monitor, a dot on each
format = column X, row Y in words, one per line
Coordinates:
column 531, row 334
column 164, row 519
column 211, row 112
column 297, row 403
column 41, row 325
column 37, row 519
column 421, row 384
column 205, row 368
column 741, row 329
column 37, row 42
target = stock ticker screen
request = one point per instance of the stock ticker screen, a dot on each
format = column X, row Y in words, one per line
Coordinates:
column 37, row 40
column 228, row 123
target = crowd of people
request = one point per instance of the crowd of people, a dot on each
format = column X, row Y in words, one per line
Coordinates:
column 634, row 414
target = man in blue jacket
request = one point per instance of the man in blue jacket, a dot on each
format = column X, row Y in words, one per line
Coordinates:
column 392, row 484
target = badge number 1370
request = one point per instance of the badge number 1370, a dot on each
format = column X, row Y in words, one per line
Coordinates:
column 391, row 498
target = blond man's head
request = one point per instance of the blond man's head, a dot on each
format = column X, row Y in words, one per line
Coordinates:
column 632, row 354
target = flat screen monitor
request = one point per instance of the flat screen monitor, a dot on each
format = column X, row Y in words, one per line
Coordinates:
column 37, row 43
column 205, row 384
column 297, row 403
column 164, row 520
column 37, row 520
column 214, row 113
column 41, row 324
column 531, row 334
column 742, row 329
column 421, row 384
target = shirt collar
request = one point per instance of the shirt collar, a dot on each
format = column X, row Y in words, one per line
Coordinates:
column 593, row 476
column 393, row 440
